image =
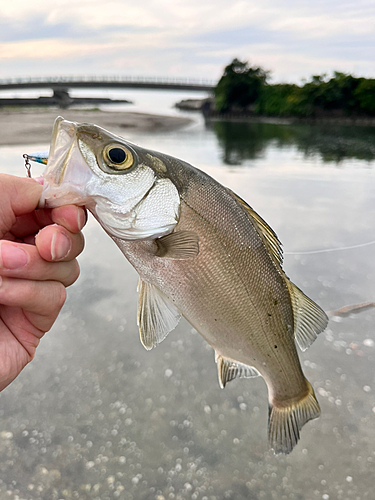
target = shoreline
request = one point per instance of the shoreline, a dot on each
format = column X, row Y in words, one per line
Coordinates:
column 194, row 105
column 34, row 126
column 237, row 117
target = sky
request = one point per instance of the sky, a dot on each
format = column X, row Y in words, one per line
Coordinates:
column 293, row 39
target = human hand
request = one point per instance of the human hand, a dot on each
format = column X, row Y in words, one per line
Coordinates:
column 38, row 250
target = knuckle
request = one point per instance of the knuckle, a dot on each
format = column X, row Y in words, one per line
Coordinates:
column 59, row 295
column 73, row 273
column 79, row 244
column 76, row 272
column 82, row 241
column 68, row 273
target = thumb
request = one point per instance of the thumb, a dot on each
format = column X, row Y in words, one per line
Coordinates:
column 22, row 193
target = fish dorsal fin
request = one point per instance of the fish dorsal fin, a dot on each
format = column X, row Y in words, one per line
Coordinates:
column 178, row 245
column 267, row 234
column 157, row 315
column 228, row 370
column 309, row 318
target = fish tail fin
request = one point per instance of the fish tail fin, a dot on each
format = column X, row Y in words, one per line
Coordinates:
column 286, row 419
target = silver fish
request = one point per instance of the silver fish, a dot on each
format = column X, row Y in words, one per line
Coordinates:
column 200, row 252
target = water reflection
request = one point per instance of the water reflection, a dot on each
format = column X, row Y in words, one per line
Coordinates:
column 241, row 141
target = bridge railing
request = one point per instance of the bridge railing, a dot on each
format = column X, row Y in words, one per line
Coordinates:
column 108, row 78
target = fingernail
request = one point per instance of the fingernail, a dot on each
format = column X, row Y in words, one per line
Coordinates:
column 60, row 246
column 12, row 256
column 81, row 218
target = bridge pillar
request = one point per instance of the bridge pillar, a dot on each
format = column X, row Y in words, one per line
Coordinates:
column 62, row 97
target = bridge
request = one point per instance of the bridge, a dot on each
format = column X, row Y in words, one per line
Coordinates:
column 61, row 85
column 135, row 82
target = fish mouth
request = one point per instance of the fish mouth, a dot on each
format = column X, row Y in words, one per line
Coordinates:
column 67, row 172
column 62, row 142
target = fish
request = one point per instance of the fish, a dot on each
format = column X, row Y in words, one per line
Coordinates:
column 201, row 252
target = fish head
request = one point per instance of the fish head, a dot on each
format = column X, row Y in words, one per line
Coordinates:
column 123, row 186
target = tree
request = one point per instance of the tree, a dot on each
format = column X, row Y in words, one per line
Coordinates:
column 336, row 93
column 365, row 94
column 240, row 86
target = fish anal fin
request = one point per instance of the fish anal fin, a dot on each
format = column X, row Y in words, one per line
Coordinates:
column 267, row 234
column 178, row 245
column 309, row 318
column 157, row 315
column 286, row 420
column 228, row 370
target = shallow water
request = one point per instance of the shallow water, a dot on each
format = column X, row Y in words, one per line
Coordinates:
column 95, row 416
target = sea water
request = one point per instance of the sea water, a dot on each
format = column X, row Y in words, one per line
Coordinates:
column 96, row 416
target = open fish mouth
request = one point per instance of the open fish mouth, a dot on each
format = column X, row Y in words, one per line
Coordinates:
column 64, row 184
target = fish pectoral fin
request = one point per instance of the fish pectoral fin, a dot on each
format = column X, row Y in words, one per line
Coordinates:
column 286, row 419
column 227, row 370
column 179, row 245
column 157, row 315
column 309, row 318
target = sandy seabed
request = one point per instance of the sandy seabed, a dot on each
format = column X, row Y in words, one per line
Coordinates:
column 30, row 126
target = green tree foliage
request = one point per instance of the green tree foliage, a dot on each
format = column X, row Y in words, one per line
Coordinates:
column 337, row 93
column 365, row 95
column 239, row 87
column 282, row 100
column 341, row 95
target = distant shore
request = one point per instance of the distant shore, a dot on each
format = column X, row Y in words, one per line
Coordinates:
column 206, row 106
column 277, row 120
column 32, row 126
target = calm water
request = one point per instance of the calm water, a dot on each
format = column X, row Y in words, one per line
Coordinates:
column 95, row 416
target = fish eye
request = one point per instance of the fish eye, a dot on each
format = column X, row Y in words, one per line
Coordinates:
column 117, row 157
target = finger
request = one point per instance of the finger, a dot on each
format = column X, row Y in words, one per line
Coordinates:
column 42, row 300
column 9, row 236
column 23, row 193
column 55, row 243
column 71, row 217
column 31, row 223
column 22, row 261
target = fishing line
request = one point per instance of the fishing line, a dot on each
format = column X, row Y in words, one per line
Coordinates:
column 325, row 250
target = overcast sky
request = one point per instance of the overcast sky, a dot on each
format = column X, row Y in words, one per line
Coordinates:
column 193, row 38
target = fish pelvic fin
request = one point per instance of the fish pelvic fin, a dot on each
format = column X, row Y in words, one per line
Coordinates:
column 309, row 318
column 286, row 419
column 228, row 370
column 179, row 245
column 157, row 315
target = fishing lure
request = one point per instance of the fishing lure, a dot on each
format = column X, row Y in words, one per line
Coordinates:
column 38, row 157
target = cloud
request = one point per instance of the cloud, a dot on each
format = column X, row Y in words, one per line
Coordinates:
column 292, row 38
column 46, row 29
